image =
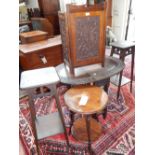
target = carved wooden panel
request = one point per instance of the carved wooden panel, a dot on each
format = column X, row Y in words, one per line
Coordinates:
column 87, row 37
column 63, row 37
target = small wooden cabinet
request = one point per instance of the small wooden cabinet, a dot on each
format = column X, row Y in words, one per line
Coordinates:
column 41, row 54
column 83, row 34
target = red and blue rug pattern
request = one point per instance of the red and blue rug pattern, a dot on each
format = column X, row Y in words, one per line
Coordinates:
column 118, row 136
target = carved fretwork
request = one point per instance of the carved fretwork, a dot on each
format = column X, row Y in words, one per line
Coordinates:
column 87, row 37
column 63, row 37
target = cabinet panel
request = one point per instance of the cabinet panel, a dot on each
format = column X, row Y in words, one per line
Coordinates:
column 87, row 37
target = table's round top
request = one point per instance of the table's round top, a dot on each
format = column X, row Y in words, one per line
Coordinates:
column 86, row 99
column 90, row 73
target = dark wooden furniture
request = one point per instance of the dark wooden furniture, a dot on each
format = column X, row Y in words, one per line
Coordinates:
column 41, row 54
column 33, row 12
column 95, row 74
column 32, row 36
column 90, row 73
column 86, row 100
column 43, row 24
column 83, row 35
column 123, row 49
column 49, row 9
column 46, row 125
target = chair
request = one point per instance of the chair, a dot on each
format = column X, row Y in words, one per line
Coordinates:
column 43, row 24
column 39, row 83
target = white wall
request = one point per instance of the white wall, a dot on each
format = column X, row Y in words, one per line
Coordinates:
column 119, row 17
column 32, row 4
column 63, row 4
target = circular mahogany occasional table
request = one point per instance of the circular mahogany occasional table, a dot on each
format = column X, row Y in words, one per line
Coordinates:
column 86, row 100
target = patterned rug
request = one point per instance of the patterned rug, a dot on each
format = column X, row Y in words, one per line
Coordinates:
column 118, row 136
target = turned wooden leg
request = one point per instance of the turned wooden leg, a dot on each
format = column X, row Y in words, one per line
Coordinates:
column 88, row 132
column 72, row 120
column 105, row 112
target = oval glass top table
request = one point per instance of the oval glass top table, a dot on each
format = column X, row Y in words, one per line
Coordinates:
column 90, row 73
column 85, row 75
column 86, row 100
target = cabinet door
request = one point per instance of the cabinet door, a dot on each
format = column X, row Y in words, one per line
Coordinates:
column 87, row 38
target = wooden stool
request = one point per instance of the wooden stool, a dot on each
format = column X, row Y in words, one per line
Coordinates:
column 123, row 49
column 47, row 125
column 86, row 100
